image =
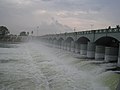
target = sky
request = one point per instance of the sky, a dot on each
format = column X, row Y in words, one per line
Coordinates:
column 58, row 16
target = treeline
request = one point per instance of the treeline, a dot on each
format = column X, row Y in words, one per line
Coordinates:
column 6, row 36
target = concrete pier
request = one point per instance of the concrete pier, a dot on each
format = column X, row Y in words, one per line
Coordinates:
column 72, row 46
column 62, row 45
column 68, row 46
column 111, row 54
column 54, row 43
column 83, row 50
column 100, row 53
column 91, row 50
column 77, row 48
column 118, row 64
column 65, row 46
column 59, row 45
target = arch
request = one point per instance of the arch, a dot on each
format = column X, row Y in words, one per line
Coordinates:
column 60, row 39
column 69, row 43
column 83, row 40
column 107, row 41
column 54, row 39
column 69, row 39
column 50, row 40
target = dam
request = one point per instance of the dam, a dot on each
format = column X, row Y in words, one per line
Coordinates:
column 68, row 61
column 101, row 44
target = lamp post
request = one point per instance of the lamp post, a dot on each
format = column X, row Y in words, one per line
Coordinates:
column 74, row 29
column 92, row 26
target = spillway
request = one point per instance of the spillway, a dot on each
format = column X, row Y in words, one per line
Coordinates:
column 35, row 66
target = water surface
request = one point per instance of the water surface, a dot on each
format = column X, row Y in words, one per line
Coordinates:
column 35, row 66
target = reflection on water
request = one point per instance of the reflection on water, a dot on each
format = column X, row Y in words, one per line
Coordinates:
column 33, row 66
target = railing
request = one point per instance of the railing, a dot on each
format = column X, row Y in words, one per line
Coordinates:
column 112, row 30
column 99, row 31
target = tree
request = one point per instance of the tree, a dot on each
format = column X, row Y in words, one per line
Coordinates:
column 28, row 33
column 23, row 33
column 32, row 32
column 4, row 31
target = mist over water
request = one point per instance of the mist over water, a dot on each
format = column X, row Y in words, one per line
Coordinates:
column 35, row 66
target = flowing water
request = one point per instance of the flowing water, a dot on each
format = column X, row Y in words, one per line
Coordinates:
column 35, row 66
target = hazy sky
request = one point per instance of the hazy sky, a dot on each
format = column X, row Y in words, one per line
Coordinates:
column 55, row 16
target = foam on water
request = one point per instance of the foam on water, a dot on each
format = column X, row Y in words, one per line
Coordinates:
column 34, row 66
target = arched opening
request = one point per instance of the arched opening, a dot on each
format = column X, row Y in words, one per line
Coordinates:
column 69, row 39
column 69, row 43
column 50, row 40
column 107, row 41
column 55, row 42
column 60, row 42
column 83, row 40
column 107, row 49
column 81, row 45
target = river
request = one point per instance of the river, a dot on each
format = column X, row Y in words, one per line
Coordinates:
column 35, row 66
